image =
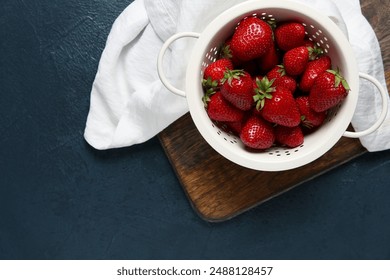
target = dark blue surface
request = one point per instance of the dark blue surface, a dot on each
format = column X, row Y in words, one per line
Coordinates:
column 61, row 199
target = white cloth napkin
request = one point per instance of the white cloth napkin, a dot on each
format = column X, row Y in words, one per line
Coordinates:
column 129, row 104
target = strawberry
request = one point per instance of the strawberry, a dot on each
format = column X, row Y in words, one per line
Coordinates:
column 276, row 72
column 309, row 117
column 252, row 38
column 287, row 82
column 277, row 104
column 296, row 59
column 220, row 109
column 281, row 79
column 269, row 60
column 214, row 72
column 289, row 136
column 313, row 69
column 328, row 90
column 237, row 88
column 290, row 35
column 257, row 133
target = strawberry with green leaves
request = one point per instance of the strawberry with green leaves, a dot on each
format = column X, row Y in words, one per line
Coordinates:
column 237, row 88
column 214, row 72
column 329, row 89
column 290, row 35
column 276, row 104
column 313, row 69
column 296, row 59
column 278, row 74
column 252, row 38
column 257, row 133
column 220, row 109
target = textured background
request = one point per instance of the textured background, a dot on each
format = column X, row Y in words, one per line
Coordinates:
column 61, row 199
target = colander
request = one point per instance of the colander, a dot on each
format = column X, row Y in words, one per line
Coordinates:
column 321, row 30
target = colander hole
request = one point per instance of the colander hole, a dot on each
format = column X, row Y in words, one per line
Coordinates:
column 304, row 24
column 322, row 42
column 318, row 34
column 263, row 14
column 325, row 38
column 320, row 31
column 312, row 26
column 314, row 36
column 326, row 50
column 327, row 46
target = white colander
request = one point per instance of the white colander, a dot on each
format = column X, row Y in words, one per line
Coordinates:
column 324, row 32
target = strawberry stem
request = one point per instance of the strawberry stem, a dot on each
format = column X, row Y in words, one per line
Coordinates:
column 339, row 79
column 263, row 91
column 232, row 74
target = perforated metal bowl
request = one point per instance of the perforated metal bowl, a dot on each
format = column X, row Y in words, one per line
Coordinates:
column 323, row 32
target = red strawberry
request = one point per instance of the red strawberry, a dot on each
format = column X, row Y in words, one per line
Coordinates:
column 257, row 133
column 289, row 136
column 269, row 60
column 313, row 69
column 278, row 74
column 252, row 39
column 296, row 59
column 289, row 35
column 329, row 89
column 309, row 118
column 237, row 88
column 214, row 72
column 287, row 82
column 277, row 104
column 220, row 109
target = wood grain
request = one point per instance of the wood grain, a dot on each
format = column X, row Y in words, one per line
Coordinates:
column 219, row 189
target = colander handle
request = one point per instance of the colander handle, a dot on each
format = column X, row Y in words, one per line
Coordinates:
column 161, row 54
column 383, row 114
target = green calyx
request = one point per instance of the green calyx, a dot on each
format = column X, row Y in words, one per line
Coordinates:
column 263, row 91
column 339, row 79
column 226, row 52
column 209, row 83
column 210, row 87
column 206, row 97
column 232, row 74
column 315, row 52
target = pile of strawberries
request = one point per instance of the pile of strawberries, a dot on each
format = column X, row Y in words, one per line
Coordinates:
column 271, row 85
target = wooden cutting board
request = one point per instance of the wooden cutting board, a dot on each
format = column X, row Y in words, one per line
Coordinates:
column 219, row 189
